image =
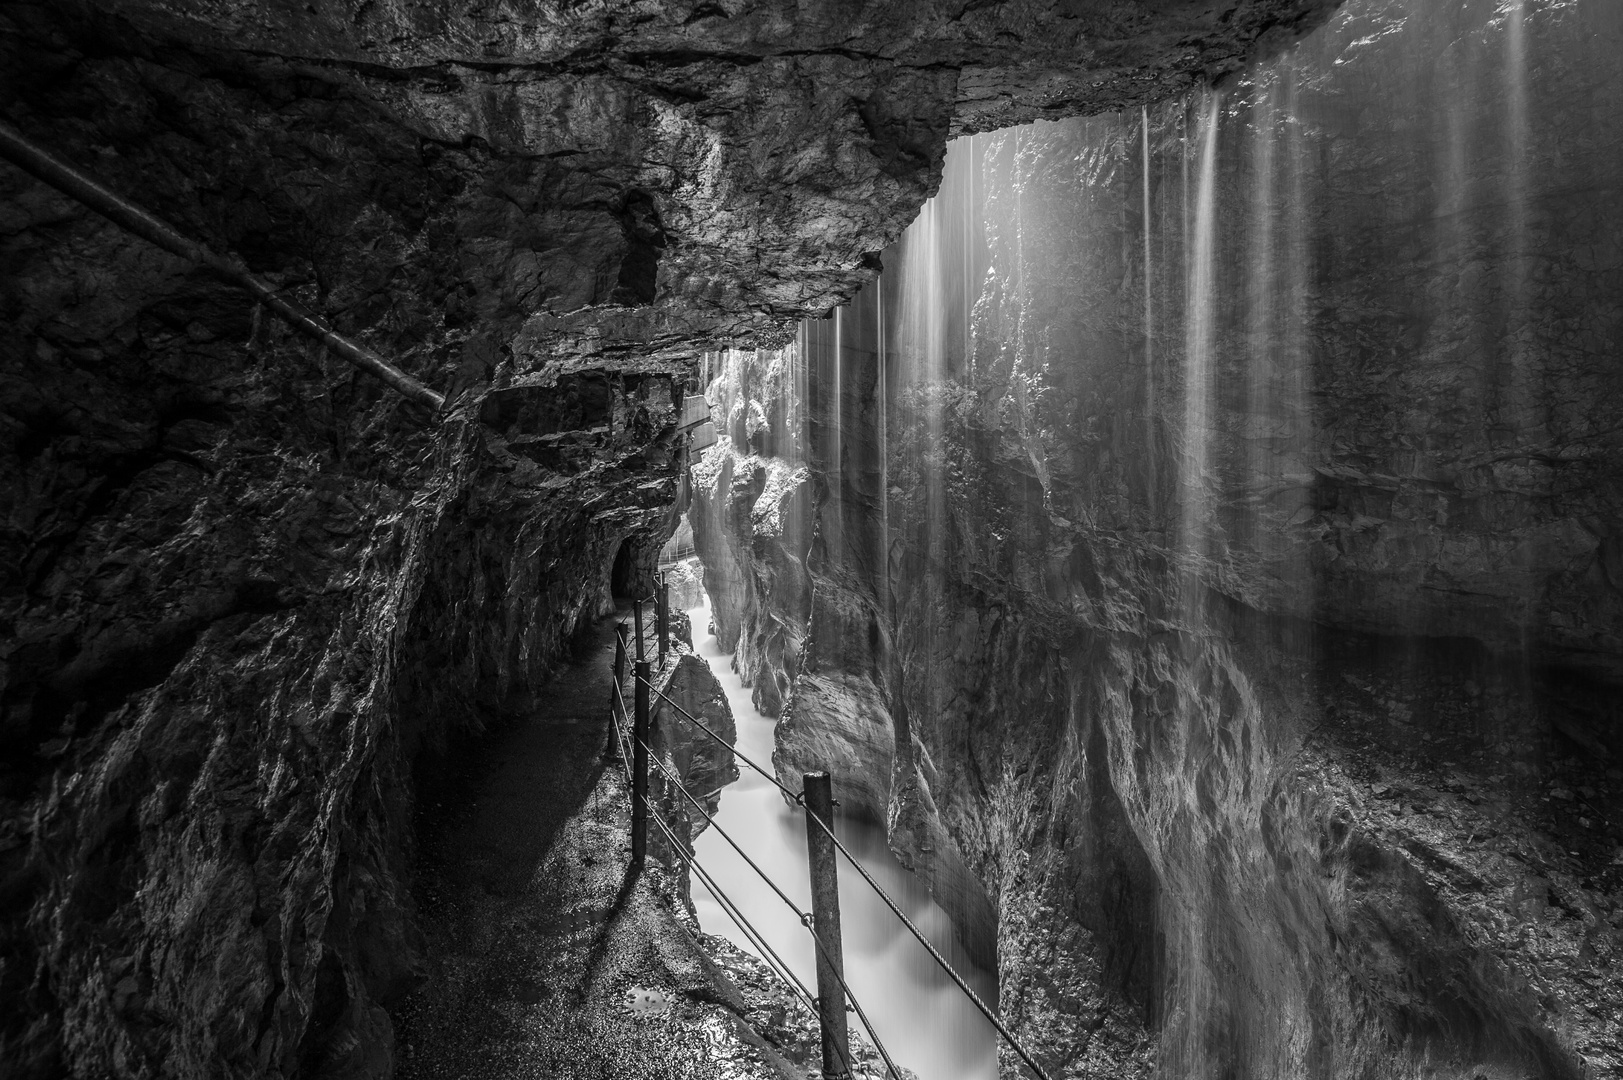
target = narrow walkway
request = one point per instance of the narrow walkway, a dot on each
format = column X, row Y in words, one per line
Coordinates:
column 546, row 959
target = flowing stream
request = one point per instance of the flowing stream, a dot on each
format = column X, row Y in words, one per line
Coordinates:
column 926, row 1023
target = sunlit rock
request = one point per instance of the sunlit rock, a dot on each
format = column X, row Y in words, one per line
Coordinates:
column 1215, row 497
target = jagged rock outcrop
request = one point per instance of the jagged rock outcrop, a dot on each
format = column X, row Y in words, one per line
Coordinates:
column 244, row 587
column 693, row 695
column 1259, row 659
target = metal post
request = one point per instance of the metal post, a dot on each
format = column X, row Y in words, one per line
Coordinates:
column 664, row 595
column 636, row 618
column 639, row 769
column 825, row 888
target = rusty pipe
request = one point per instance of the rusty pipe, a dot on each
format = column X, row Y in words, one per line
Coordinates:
column 71, row 181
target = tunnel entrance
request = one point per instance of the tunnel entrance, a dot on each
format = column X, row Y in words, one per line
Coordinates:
column 623, row 575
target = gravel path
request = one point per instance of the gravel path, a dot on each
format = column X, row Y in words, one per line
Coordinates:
column 546, row 959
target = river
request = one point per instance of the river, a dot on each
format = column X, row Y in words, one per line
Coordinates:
column 926, row 1023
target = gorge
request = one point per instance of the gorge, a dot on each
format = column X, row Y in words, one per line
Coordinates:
column 1194, row 544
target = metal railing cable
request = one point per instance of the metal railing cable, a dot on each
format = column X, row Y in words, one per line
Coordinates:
column 620, row 740
column 845, row 988
column 776, row 964
column 935, row 955
column 650, row 635
column 940, row 960
column 730, row 907
column 653, row 759
column 780, row 968
column 739, row 754
column 804, row 918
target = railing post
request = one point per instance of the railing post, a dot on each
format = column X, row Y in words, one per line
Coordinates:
column 664, row 617
column 636, row 618
column 639, row 769
column 825, row 889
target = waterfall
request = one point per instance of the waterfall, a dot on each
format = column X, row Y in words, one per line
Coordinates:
column 835, row 473
column 876, row 376
column 1147, row 215
column 1195, row 495
column 920, row 340
column 1142, row 556
column 1524, row 411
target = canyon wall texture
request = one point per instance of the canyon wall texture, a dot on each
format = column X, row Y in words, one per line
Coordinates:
column 243, row 588
column 1251, row 637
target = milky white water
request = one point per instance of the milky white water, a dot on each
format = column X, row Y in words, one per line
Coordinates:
column 924, row 1020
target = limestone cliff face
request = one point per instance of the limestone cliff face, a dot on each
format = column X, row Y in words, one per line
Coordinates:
column 1255, row 648
column 243, row 588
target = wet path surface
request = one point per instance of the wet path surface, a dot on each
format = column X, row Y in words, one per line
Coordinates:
column 546, row 959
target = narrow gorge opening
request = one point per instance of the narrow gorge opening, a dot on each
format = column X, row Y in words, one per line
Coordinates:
column 1174, row 548
column 924, row 1020
column 1162, row 460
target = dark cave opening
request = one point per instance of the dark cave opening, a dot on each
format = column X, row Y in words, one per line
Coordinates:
column 623, row 576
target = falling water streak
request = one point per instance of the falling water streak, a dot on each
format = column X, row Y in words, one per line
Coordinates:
column 836, row 464
column 1298, row 373
column 1195, row 497
column 1149, row 315
column 934, row 346
column 1189, row 987
column 1261, row 405
column 1516, row 44
column 923, row 1020
column 882, row 418
column 921, row 342
column 1521, row 390
column 969, row 232
column 1021, row 361
column 796, row 527
column 1458, row 87
column 1183, row 203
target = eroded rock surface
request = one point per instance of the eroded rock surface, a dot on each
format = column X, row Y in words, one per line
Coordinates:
column 244, row 588
column 1260, row 663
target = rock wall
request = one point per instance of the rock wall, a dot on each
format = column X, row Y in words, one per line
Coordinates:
column 1255, row 653
column 244, row 588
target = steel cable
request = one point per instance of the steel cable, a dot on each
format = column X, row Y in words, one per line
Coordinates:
column 834, row 969
column 736, row 914
column 931, row 949
column 726, row 902
column 794, row 796
column 650, row 636
column 653, row 759
column 619, row 734
column 935, row 955
column 778, row 965
column 805, row 919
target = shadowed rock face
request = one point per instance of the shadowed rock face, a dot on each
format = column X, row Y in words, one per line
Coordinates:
column 242, row 588
column 1278, row 729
